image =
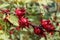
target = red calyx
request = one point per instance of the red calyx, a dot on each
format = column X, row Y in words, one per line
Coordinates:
column 47, row 25
column 23, row 22
column 45, row 22
column 20, row 12
column 39, row 32
column 11, row 31
column 18, row 28
column 6, row 11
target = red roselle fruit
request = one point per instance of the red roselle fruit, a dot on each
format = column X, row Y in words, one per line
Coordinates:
column 11, row 31
column 6, row 11
column 20, row 12
column 45, row 22
column 23, row 22
column 47, row 25
column 39, row 31
column 18, row 28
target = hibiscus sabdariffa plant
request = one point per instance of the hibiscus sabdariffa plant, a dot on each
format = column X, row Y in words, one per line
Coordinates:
column 30, row 20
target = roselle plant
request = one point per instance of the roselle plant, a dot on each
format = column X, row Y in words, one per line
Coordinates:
column 31, row 20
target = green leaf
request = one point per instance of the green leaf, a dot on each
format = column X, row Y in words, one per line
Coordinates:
column 13, row 19
column 4, row 5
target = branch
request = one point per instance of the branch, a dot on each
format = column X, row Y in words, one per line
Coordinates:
column 33, row 25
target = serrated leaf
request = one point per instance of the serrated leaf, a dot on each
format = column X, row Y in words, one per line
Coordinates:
column 13, row 19
column 4, row 5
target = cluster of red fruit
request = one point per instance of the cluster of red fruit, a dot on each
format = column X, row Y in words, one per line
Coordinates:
column 39, row 31
column 48, row 26
column 24, row 23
